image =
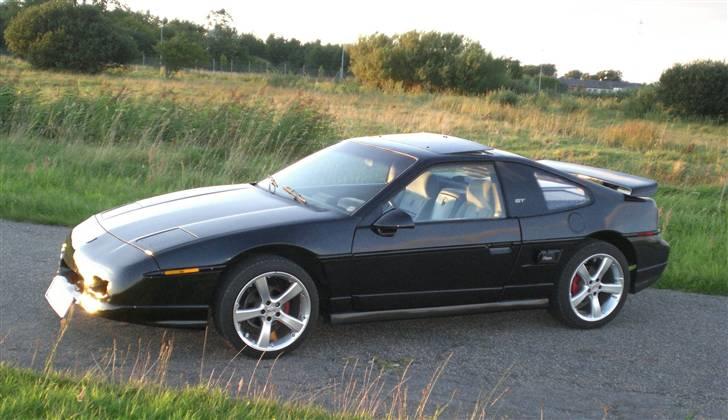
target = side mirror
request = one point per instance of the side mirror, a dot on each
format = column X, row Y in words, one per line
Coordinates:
column 391, row 221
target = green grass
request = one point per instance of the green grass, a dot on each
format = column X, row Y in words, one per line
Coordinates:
column 28, row 394
column 72, row 145
column 695, row 222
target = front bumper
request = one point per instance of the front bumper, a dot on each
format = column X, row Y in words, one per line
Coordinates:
column 112, row 279
column 172, row 316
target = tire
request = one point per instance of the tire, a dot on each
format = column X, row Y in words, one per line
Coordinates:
column 285, row 318
column 573, row 299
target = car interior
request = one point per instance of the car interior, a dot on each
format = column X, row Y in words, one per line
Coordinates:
column 460, row 194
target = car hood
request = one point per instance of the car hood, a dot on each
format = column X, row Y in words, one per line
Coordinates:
column 167, row 220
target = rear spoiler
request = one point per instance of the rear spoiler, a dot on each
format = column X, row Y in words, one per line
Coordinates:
column 624, row 183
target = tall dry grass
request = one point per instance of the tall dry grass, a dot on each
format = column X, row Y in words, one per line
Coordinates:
column 364, row 389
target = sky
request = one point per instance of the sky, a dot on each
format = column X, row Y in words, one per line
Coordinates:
column 639, row 37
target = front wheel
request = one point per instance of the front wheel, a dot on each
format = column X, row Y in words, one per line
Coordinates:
column 266, row 306
column 592, row 287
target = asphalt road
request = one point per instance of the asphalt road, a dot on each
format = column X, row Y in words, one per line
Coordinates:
column 665, row 356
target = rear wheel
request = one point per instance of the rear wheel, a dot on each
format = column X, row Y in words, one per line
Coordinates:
column 592, row 287
column 266, row 306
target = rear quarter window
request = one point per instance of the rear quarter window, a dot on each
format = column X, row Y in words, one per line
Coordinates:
column 531, row 192
column 559, row 193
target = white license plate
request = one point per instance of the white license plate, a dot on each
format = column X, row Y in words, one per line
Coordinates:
column 60, row 295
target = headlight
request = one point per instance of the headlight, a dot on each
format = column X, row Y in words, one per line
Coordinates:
column 96, row 277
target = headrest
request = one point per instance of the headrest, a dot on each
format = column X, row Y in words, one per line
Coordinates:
column 478, row 191
column 426, row 185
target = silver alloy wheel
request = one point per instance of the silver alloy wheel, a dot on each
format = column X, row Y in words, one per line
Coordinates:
column 271, row 311
column 596, row 287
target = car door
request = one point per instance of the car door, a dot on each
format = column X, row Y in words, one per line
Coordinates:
column 459, row 251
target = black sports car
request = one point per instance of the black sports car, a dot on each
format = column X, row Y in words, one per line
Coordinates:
column 411, row 225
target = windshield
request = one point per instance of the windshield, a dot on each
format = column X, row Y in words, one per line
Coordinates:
column 342, row 177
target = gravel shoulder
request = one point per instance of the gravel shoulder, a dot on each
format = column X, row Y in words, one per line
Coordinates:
column 664, row 356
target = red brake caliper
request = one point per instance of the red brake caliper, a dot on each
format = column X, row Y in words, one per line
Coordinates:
column 287, row 307
column 575, row 284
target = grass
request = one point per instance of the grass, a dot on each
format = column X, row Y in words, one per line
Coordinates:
column 133, row 383
column 73, row 145
column 25, row 393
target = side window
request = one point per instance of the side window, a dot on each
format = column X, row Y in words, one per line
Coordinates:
column 452, row 192
column 559, row 193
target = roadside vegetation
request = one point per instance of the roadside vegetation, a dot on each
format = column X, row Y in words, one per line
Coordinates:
column 134, row 383
column 25, row 393
column 72, row 145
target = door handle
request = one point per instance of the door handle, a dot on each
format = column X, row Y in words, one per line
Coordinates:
column 500, row 250
column 387, row 232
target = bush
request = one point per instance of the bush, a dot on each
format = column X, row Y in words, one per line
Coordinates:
column 60, row 35
column 699, row 88
column 430, row 61
column 180, row 51
column 504, row 97
column 642, row 103
column 569, row 104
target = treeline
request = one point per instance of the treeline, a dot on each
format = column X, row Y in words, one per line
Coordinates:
column 65, row 35
column 606, row 75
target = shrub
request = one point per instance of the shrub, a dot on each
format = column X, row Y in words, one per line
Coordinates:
column 699, row 88
column 541, row 100
column 180, row 51
column 569, row 104
column 504, row 97
column 520, row 86
column 60, row 35
column 426, row 61
column 641, row 103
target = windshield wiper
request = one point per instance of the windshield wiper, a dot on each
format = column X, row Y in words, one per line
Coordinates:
column 295, row 194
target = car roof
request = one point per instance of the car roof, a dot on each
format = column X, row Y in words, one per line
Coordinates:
column 424, row 145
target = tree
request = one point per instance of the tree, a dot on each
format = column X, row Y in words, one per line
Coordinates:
column 607, row 75
column 8, row 10
column 326, row 56
column 699, row 88
column 430, row 60
column 513, row 67
column 222, row 37
column 60, row 35
column 573, row 74
column 189, row 29
column 180, row 51
column 250, row 46
column 369, row 57
column 548, row 70
column 143, row 28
